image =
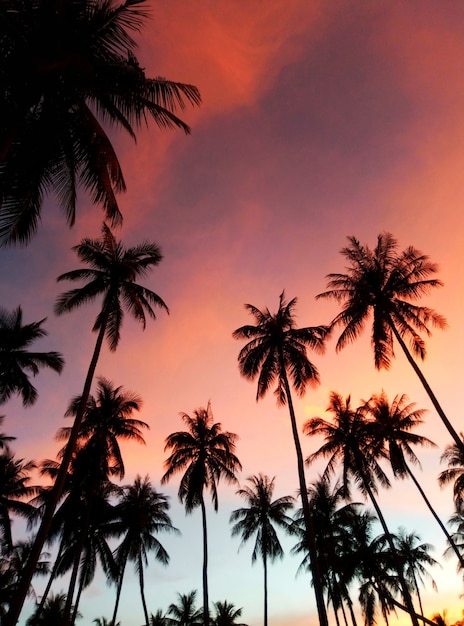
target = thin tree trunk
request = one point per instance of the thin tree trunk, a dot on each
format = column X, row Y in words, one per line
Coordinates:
column 57, row 490
column 404, row 587
column 310, row 533
column 435, row 515
column 265, row 587
column 427, row 388
column 118, row 592
column 205, row 564
column 50, row 580
column 142, row 589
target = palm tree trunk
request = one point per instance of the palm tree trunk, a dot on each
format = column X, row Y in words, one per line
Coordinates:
column 404, row 587
column 205, row 564
column 31, row 564
column 311, row 536
column 435, row 515
column 142, row 589
column 427, row 388
column 50, row 580
column 265, row 587
column 118, row 592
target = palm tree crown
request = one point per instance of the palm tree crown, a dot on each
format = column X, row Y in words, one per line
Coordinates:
column 16, row 361
column 69, row 69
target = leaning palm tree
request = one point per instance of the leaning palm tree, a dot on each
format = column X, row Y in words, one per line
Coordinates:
column 207, row 454
column 69, row 69
column 349, row 442
column 111, row 273
column 259, row 520
column 276, row 353
column 386, row 283
column 140, row 514
column 185, row 613
column 392, row 424
column 17, row 362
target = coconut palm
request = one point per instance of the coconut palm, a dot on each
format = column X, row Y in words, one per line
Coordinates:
column 52, row 612
column 225, row 614
column 454, row 455
column 17, row 362
column 140, row 515
column 112, row 272
column 185, row 613
column 384, row 282
column 156, row 619
column 393, row 423
column 276, row 354
column 259, row 520
column 349, row 441
column 68, row 70
column 205, row 453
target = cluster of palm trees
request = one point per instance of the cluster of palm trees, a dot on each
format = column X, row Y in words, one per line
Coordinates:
column 69, row 69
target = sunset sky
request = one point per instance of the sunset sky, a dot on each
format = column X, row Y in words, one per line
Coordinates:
column 320, row 120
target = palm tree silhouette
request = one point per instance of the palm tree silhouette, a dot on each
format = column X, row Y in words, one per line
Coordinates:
column 17, row 362
column 275, row 354
column 112, row 272
column 259, row 520
column 349, row 442
column 384, row 282
column 184, row 613
column 207, row 454
column 392, row 426
column 140, row 514
column 454, row 455
column 72, row 71
column 226, row 614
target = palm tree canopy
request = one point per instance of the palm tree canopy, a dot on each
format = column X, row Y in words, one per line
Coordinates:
column 107, row 418
column 17, row 362
column 261, row 516
column 206, row 453
column 185, row 613
column 111, row 272
column 384, row 282
column 69, row 69
column 454, row 455
column 277, row 347
column 226, row 614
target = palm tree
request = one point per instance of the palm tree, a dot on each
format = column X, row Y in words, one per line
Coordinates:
column 259, row 520
column 14, row 488
column 207, row 454
column 102, row 621
column 455, row 473
column 392, row 425
column 52, row 612
column 141, row 513
column 112, row 272
column 16, row 361
column 70, row 69
column 226, row 614
column 277, row 354
column 4, row 439
column 349, row 441
column 383, row 282
column 184, row 613
column 156, row 619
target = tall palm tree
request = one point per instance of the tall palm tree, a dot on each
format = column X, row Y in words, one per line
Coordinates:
column 140, row 514
column 259, row 520
column 112, row 272
column 385, row 282
column 393, row 423
column 349, row 442
column 17, row 362
column 207, row 454
column 276, row 353
column 69, row 69
column 225, row 614
column 185, row 613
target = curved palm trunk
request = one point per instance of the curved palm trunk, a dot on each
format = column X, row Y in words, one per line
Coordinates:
column 310, row 533
column 205, row 564
column 118, row 592
column 265, row 587
column 435, row 515
column 31, row 564
column 142, row 589
column 427, row 388
column 404, row 587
